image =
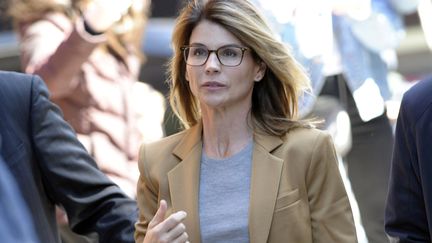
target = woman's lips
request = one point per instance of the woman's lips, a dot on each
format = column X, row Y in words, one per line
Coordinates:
column 213, row 84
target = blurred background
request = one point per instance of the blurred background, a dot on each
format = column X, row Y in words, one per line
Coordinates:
column 414, row 55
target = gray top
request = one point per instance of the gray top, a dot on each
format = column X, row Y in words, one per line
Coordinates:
column 224, row 197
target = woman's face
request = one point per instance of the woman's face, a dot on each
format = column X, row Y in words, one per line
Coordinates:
column 214, row 84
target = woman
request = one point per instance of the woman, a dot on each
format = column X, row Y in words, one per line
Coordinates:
column 88, row 52
column 244, row 170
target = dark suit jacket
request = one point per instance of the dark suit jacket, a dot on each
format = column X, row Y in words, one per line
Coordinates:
column 15, row 220
column 296, row 192
column 52, row 167
column 408, row 216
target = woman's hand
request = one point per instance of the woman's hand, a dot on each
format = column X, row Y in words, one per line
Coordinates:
column 100, row 15
column 170, row 229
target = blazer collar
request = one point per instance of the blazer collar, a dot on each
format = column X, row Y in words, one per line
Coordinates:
column 266, row 172
column 192, row 137
column 268, row 142
column 184, row 180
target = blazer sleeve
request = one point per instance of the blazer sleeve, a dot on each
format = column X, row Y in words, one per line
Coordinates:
column 410, row 184
column 331, row 216
column 71, row 178
column 147, row 197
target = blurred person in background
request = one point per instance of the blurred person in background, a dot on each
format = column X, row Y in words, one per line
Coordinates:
column 366, row 38
column 88, row 52
column 245, row 169
column 348, row 48
column 425, row 15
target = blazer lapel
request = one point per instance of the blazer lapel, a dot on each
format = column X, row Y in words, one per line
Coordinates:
column 184, row 180
column 266, row 173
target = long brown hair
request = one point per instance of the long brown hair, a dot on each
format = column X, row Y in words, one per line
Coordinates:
column 274, row 98
column 118, row 44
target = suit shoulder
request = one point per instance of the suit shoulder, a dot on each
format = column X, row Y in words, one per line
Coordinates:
column 166, row 143
column 151, row 153
column 303, row 148
column 15, row 90
column 419, row 95
column 418, row 99
column 306, row 141
column 15, row 82
column 305, row 135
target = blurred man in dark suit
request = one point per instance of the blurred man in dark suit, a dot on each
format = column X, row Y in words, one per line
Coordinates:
column 408, row 216
column 52, row 168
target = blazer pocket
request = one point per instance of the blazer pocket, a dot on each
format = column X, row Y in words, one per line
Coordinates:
column 287, row 199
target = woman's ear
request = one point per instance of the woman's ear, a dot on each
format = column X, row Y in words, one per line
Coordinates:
column 262, row 67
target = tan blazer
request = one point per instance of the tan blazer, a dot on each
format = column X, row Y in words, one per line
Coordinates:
column 296, row 192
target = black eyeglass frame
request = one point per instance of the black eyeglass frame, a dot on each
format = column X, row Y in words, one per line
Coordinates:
column 185, row 54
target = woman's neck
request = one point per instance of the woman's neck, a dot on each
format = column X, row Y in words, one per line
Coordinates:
column 225, row 134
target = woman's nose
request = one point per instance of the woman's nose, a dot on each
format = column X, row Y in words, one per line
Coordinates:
column 212, row 63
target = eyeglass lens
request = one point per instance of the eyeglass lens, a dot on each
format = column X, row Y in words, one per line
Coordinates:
column 228, row 56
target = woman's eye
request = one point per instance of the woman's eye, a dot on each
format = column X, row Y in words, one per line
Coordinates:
column 229, row 52
column 199, row 52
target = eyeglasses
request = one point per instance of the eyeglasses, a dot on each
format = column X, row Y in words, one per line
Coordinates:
column 230, row 56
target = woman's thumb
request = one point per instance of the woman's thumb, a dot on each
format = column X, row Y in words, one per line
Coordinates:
column 160, row 214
